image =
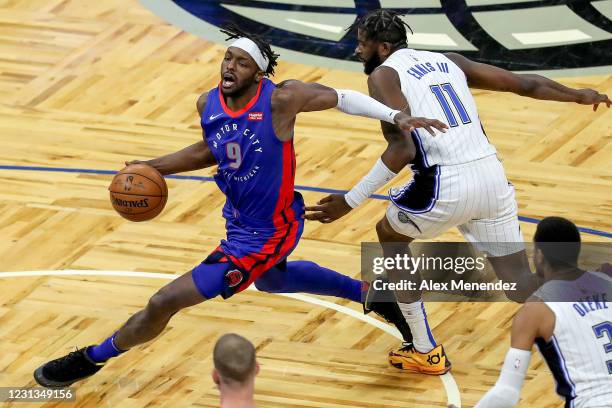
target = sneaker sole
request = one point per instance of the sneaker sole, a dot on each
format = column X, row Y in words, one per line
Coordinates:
column 45, row 382
column 417, row 369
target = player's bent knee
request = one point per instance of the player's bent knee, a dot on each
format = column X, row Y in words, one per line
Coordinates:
column 266, row 285
column 386, row 233
column 272, row 281
column 162, row 304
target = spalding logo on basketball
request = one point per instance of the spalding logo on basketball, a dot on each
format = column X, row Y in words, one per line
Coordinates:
column 551, row 35
column 138, row 192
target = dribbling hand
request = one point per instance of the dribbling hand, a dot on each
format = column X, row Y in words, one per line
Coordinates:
column 128, row 163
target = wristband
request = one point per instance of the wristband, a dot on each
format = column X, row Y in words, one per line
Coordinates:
column 356, row 103
column 378, row 176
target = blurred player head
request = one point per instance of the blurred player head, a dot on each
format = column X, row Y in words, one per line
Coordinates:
column 379, row 34
column 557, row 246
column 247, row 60
column 235, row 366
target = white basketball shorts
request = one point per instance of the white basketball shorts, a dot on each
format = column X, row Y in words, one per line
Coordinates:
column 476, row 197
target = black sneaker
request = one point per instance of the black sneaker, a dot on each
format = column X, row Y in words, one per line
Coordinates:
column 384, row 304
column 64, row 371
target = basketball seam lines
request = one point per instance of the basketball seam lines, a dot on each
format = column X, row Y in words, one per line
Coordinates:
column 151, row 180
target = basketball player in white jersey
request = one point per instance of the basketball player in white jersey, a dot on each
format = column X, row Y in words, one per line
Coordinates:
column 458, row 180
column 569, row 318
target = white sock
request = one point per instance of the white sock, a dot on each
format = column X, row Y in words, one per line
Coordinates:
column 414, row 313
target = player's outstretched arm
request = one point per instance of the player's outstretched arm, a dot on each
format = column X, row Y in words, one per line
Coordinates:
column 384, row 86
column 194, row 157
column 293, row 97
column 484, row 76
column 533, row 320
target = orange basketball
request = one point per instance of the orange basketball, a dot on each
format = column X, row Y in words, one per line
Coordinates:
column 138, row 192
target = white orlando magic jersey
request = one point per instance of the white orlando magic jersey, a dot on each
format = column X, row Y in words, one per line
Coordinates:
column 436, row 88
column 579, row 354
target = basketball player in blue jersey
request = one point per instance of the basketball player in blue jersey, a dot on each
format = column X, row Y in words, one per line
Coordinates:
column 248, row 128
column 569, row 319
column 458, row 180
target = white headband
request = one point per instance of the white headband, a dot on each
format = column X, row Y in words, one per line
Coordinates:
column 253, row 50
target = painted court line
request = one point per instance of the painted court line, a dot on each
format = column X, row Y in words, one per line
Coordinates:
column 449, row 383
column 297, row 187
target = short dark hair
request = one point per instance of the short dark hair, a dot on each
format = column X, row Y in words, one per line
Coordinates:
column 234, row 32
column 234, row 358
column 559, row 240
column 384, row 26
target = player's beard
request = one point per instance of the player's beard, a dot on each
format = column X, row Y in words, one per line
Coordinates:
column 370, row 65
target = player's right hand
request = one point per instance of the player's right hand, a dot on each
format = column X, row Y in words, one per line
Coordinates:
column 409, row 123
column 592, row 97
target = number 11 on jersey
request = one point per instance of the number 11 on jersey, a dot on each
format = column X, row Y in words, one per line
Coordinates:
column 439, row 90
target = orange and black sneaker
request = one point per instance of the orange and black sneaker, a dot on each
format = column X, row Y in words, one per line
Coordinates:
column 409, row 359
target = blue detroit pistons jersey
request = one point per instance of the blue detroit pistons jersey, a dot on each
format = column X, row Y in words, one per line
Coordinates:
column 256, row 170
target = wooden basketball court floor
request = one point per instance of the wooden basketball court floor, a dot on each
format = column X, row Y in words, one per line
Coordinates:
column 89, row 84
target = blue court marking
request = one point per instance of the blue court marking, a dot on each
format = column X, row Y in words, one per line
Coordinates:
column 297, row 187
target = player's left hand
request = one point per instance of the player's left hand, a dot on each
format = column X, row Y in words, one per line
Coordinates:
column 409, row 123
column 328, row 209
column 591, row 97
